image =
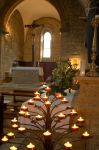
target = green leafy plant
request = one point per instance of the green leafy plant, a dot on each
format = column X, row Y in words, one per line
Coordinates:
column 63, row 74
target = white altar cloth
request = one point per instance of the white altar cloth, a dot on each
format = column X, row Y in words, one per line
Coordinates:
column 26, row 75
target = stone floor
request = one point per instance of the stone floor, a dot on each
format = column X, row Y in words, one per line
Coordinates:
column 8, row 128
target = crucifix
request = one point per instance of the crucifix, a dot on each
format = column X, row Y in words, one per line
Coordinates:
column 33, row 26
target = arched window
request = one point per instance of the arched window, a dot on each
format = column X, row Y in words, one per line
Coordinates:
column 46, row 45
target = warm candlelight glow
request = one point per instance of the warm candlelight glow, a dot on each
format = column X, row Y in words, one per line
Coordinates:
column 48, row 89
column 45, row 98
column 39, row 117
column 74, row 127
column 21, row 112
column 73, row 112
column 4, row 139
column 30, row 146
column 68, row 145
column 47, row 133
column 59, row 95
column 36, row 93
column 27, row 114
column 21, row 129
column 14, row 120
column 10, row 135
column 13, row 148
column 30, row 102
column 64, row 100
column 24, row 108
column 85, row 135
column 80, row 119
column 37, row 97
column 61, row 116
column 15, row 126
column 48, row 103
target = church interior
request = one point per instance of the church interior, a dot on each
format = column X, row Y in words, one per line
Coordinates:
column 35, row 37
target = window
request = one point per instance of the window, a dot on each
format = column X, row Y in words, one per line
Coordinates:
column 46, row 45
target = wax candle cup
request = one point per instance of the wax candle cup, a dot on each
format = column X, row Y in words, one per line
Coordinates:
column 86, row 135
column 14, row 120
column 48, row 89
column 74, row 127
column 4, row 139
column 73, row 112
column 48, row 103
column 13, row 148
column 68, row 146
column 39, row 117
column 21, row 113
column 21, row 129
column 61, row 116
column 64, row 100
column 24, row 108
column 80, row 120
column 30, row 102
column 27, row 114
column 37, row 98
column 30, row 146
column 10, row 135
column 14, row 126
column 36, row 93
column 45, row 98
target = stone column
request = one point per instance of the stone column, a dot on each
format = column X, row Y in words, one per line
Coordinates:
column 2, row 49
column 87, row 105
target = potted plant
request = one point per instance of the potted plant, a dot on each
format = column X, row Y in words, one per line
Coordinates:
column 62, row 75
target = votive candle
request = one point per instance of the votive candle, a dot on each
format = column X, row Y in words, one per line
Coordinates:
column 30, row 146
column 4, row 139
column 10, row 135
column 68, row 146
column 13, row 148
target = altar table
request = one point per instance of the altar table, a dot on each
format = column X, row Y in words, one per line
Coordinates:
column 26, row 75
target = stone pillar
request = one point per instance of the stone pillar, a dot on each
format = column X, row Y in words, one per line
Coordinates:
column 87, row 105
column 2, row 49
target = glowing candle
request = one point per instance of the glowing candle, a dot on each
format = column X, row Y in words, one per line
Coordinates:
column 36, row 93
column 14, row 126
column 37, row 98
column 14, row 120
column 73, row 112
column 30, row 102
column 39, row 117
column 61, row 116
column 13, row 148
column 10, row 135
column 86, row 135
column 24, row 108
column 21, row 129
column 68, row 146
column 45, row 98
column 74, row 127
column 47, row 103
column 27, row 114
column 80, row 120
column 47, row 134
column 30, row 146
column 64, row 100
column 59, row 95
column 4, row 139
column 48, row 89
column 21, row 113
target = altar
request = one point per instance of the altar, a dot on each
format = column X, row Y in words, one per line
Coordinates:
column 26, row 75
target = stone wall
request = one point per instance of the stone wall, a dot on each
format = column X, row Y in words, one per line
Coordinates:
column 14, row 41
column 46, row 23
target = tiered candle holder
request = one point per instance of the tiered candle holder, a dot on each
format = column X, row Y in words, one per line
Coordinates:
column 47, row 122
